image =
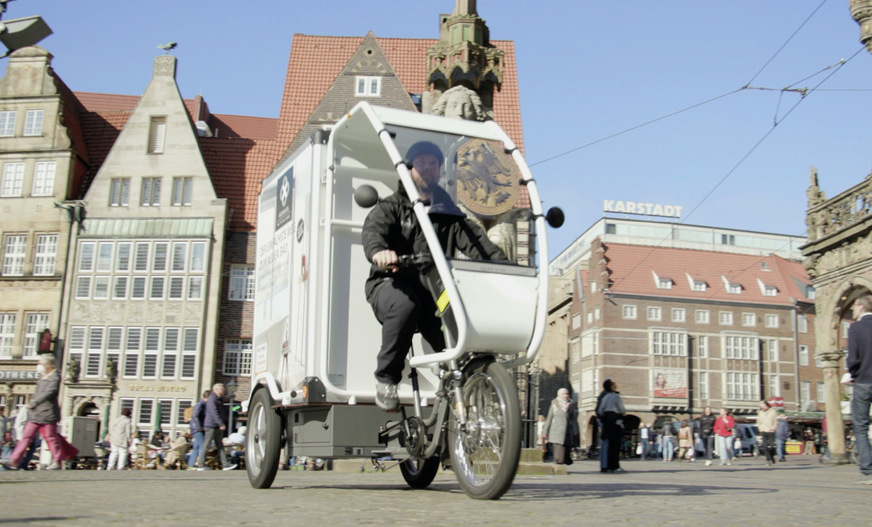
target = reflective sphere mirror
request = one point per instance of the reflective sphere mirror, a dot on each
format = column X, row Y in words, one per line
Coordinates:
column 366, row 196
column 555, row 217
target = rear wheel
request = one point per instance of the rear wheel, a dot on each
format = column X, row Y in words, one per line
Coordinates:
column 263, row 441
column 419, row 473
column 485, row 451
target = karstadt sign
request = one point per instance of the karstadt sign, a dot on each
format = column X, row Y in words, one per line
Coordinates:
column 641, row 207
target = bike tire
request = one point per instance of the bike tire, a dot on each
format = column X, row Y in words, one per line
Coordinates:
column 419, row 473
column 485, row 454
column 263, row 441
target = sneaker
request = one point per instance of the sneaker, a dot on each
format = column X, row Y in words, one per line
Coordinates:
column 201, row 469
column 8, row 465
column 708, row 463
column 386, row 396
column 230, row 467
column 193, row 468
column 53, row 466
column 864, row 479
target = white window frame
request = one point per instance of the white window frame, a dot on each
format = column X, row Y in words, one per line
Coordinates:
column 679, row 314
column 654, row 313
column 749, row 320
column 44, row 178
column 13, row 180
column 770, row 321
column 742, row 386
column 741, row 347
column 242, row 283
column 702, row 316
column 803, row 355
column 668, row 343
column 33, row 120
column 237, row 357
column 7, row 123
column 702, row 347
column 14, row 254
column 629, row 312
column 7, row 334
column 150, row 196
column 119, row 192
column 183, row 190
column 157, row 135
column 367, row 86
column 802, row 324
column 45, row 255
column 34, row 325
column 725, row 318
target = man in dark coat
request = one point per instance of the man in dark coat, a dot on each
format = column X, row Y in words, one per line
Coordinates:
column 860, row 368
column 399, row 300
column 214, row 426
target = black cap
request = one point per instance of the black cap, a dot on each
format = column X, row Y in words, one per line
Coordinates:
column 424, row 147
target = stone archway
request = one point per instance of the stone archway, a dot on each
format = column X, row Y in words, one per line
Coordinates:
column 833, row 304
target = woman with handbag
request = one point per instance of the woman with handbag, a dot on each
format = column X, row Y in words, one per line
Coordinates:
column 561, row 427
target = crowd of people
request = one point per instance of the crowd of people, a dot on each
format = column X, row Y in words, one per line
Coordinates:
column 709, row 438
column 24, row 432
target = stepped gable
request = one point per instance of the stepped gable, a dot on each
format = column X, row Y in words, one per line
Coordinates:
column 630, row 272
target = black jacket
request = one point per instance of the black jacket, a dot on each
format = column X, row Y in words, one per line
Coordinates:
column 392, row 224
column 860, row 350
column 707, row 424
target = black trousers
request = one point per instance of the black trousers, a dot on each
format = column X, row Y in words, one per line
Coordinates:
column 403, row 308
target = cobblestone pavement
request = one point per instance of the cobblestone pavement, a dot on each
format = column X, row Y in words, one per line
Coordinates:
column 799, row 492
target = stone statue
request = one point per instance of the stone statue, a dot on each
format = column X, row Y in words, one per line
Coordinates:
column 111, row 370
column 73, row 369
column 460, row 103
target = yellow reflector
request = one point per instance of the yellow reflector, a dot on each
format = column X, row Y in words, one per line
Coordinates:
column 305, row 391
column 442, row 303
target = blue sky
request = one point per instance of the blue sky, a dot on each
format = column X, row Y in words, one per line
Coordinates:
column 589, row 69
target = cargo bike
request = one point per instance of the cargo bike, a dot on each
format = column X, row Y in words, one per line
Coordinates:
column 316, row 338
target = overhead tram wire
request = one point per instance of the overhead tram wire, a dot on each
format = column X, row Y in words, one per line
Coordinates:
column 753, row 148
column 652, row 121
column 786, row 42
column 636, row 127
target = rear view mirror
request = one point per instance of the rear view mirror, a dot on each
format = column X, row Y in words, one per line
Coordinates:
column 555, row 217
column 366, row 196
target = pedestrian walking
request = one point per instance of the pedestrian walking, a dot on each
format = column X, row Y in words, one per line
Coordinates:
column 43, row 416
column 215, row 427
column 767, row 421
column 668, row 435
column 610, row 411
column 707, row 433
column 723, row 430
column 782, row 434
column 561, row 427
column 119, row 439
column 860, row 368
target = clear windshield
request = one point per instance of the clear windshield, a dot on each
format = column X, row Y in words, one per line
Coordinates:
column 482, row 180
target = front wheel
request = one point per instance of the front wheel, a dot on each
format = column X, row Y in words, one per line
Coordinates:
column 485, row 451
column 263, row 441
column 419, row 473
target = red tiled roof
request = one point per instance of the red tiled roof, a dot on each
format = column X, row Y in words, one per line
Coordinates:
column 630, row 272
column 246, row 149
column 324, row 58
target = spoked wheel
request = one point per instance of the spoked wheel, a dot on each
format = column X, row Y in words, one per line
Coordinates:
column 485, row 452
column 419, row 473
column 263, row 441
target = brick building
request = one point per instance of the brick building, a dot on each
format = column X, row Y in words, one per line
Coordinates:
column 683, row 317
